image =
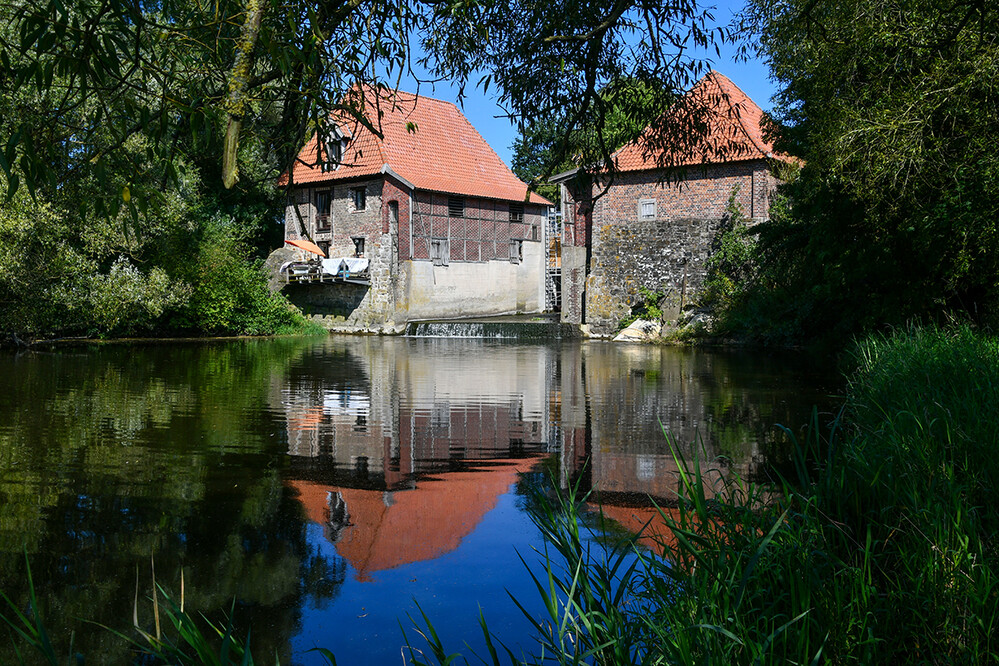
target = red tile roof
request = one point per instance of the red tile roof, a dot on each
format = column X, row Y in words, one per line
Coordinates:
column 714, row 122
column 426, row 142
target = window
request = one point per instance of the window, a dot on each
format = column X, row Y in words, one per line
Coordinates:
column 516, row 212
column 647, row 209
column 456, row 206
column 358, row 245
column 439, row 251
column 516, row 251
column 331, row 146
column 323, row 201
column 324, row 246
column 359, row 197
column 334, row 154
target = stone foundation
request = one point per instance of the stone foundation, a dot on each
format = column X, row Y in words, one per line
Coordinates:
column 661, row 255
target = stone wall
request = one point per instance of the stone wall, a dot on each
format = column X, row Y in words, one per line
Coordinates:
column 660, row 255
column 573, row 283
column 345, row 221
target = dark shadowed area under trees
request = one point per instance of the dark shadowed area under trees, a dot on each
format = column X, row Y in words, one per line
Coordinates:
column 894, row 108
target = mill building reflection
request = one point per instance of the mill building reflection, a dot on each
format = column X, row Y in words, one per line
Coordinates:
column 401, row 446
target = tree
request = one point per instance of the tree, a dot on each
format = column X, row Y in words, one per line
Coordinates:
column 631, row 106
column 213, row 72
column 182, row 71
column 894, row 106
column 570, row 70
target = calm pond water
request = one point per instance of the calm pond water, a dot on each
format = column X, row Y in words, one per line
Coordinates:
column 330, row 485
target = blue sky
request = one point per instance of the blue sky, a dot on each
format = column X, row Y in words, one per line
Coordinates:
column 485, row 114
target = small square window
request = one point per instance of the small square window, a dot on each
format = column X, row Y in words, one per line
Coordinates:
column 359, row 197
column 456, row 206
column 647, row 209
column 516, row 212
column 358, row 245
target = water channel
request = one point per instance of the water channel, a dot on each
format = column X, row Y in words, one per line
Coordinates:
column 329, row 485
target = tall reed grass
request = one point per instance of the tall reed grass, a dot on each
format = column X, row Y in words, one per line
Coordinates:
column 882, row 549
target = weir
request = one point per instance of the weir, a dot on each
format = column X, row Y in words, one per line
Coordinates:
column 534, row 331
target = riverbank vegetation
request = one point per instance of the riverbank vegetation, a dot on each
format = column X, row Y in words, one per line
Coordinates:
column 189, row 270
column 881, row 550
column 140, row 144
column 894, row 110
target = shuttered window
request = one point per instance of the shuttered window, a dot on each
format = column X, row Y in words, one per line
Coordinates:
column 439, row 251
column 516, row 212
column 647, row 209
column 516, row 251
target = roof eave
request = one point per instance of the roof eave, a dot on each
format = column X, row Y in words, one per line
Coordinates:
column 388, row 171
column 564, row 176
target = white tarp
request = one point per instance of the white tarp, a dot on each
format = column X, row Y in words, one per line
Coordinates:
column 355, row 265
column 344, row 266
column 332, row 266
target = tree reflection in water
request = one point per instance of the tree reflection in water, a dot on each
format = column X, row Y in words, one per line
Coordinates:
column 292, row 475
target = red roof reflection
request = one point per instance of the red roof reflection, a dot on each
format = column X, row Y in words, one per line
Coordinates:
column 376, row 530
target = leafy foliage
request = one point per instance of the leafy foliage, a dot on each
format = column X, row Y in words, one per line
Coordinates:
column 575, row 76
column 649, row 307
column 538, row 151
column 893, row 107
column 732, row 264
column 137, row 124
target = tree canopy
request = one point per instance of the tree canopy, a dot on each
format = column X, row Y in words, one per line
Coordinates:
column 227, row 73
column 140, row 141
column 894, row 107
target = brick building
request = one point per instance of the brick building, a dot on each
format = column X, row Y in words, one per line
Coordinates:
column 446, row 228
column 653, row 222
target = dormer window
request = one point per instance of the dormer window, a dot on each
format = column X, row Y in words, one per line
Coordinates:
column 332, row 142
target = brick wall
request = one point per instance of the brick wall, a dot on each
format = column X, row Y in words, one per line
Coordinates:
column 395, row 192
column 702, row 194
